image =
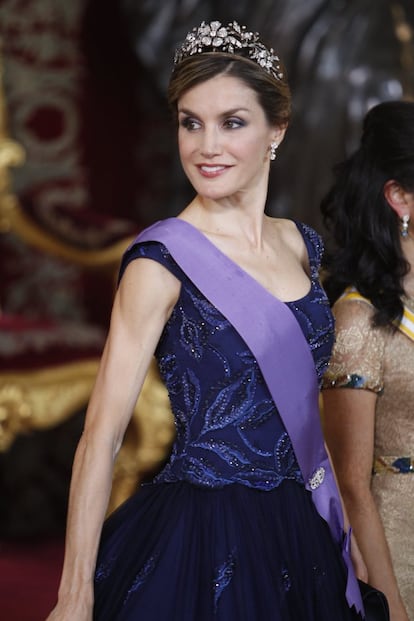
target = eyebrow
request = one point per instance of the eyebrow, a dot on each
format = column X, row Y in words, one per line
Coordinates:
column 223, row 114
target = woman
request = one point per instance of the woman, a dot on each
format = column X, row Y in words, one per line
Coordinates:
column 244, row 522
column 368, row 401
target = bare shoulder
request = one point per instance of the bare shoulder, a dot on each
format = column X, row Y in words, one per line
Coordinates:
column 286, row 232
column 147, row 283
column 285, row 229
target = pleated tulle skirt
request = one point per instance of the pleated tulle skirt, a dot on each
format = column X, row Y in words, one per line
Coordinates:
column 176, row 552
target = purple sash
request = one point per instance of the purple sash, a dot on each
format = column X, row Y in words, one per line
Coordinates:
column 282, row 352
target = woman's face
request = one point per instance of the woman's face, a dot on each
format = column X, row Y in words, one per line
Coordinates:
column 224, row 137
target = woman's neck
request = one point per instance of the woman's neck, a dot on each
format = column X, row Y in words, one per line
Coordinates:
column 233, row 218
column 407, row 247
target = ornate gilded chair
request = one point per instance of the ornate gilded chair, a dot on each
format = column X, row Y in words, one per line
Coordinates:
column 45, row 374
column 47, row 368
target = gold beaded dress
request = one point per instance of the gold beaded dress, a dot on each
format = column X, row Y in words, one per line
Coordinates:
column 382, row 360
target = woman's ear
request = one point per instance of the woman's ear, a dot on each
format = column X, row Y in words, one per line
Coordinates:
column 398, row 199
column 279, row 133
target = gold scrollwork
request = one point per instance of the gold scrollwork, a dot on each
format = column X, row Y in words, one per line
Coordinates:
column 42, row 399
column 15, row 413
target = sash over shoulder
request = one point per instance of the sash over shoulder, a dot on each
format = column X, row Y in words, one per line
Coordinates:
column 283, row 354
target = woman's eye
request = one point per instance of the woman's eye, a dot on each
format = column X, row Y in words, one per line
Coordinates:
column 189, row 123
column 233, row 123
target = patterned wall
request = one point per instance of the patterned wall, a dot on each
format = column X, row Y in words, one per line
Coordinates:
column 54, row 112
column 43, row 81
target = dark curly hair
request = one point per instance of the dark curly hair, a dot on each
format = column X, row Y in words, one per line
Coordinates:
column 364, row 248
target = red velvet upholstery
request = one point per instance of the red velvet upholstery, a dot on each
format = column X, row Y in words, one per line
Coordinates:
column 34, row 344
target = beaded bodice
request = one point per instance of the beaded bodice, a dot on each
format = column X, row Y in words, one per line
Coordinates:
column 228, row 429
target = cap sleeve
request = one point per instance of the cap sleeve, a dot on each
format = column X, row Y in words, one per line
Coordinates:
column 150, row 250
column 358, row 355
column 314, row 247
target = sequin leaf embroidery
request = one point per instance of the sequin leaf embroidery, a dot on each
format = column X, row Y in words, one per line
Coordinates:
column 191, row 338
column 229, row 453
column 201, row 472
column 224, row 574
column 192, row 391
column 231, row 402
column 285, row 460
column 258, row 414
column 209, row 313
column 142, row 576
column 267, row 478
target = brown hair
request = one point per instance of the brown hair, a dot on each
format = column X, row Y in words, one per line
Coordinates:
column 273, row 94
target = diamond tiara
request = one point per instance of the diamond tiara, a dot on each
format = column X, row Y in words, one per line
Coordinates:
column 214, row 37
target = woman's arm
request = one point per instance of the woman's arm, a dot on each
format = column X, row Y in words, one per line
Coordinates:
column 143, row 303
column 358, row 562
column 349, row 418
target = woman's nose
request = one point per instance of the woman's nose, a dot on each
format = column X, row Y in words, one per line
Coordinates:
column 210, row 143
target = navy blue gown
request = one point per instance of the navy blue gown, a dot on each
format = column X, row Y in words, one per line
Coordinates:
column 226, row 531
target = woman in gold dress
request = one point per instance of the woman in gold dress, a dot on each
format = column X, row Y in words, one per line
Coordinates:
column 369, row 385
